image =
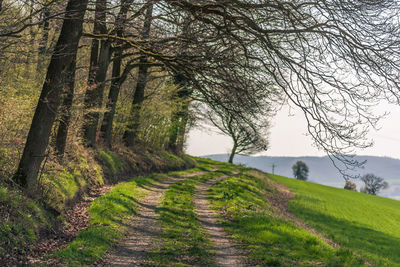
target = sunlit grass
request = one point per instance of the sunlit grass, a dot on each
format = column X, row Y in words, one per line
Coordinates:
column 184, row 241
column 369, row 225
column 267, row 237
column 109, row 216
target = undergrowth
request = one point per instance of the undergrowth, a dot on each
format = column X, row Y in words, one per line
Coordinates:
column 20, row 221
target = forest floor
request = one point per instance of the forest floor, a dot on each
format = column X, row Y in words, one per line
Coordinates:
column 217, row 214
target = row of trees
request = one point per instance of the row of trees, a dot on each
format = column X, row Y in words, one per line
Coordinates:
column 238, row 58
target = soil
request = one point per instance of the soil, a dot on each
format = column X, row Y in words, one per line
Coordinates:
column 144, row 230
column 228, row 252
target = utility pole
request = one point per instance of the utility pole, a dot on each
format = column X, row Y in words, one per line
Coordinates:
column 273, row 168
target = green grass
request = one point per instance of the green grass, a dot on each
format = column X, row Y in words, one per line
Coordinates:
column 369, row 225
column 61, row 184
column 184, row 240
column 112, row 163
column 20, row 220
column 109, row 216
column 269, row 238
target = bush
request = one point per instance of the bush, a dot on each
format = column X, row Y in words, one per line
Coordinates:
column 350, row 185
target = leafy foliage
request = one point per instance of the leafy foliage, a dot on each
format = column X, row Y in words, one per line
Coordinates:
column 300, row 170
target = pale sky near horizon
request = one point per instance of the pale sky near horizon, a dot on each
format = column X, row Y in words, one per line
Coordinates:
column 288, row 137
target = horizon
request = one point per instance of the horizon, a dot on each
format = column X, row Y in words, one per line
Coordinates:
column 288, row 137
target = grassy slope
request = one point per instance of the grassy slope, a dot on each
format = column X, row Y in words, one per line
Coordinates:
column 269, row 238
column 367, row 224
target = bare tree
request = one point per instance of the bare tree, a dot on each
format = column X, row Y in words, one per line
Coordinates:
column 131, row 133
column 333, row 60
column 249, row 135
column 373, row 184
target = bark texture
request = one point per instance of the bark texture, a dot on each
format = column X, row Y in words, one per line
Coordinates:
column 65, row 118
column 49, row 100
column 99, row 61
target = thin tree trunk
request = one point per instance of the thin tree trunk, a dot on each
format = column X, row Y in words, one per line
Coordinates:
column 99, row 61
column 111, row 104
column 49, row 100
column 233, row 152
column 182, row 129
column 173, row 135
column 130, row 135
column 94, row 96
column 180, row 117
column 1, row 5
column 62, row 132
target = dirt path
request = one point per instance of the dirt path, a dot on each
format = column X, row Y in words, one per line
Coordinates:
column 142, row 234
column 228, row 253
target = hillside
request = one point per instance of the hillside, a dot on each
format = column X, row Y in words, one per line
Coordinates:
column 322, row 170
column 228, row 215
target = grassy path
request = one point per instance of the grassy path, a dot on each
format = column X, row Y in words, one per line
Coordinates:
column 143, row 233
column 227, row 251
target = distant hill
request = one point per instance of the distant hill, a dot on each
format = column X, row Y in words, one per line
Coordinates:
column 322, row 170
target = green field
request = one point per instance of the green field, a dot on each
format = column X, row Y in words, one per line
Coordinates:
column 269, row 238
column 368, row 225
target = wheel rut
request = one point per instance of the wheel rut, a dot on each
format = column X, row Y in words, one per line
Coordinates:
column 144, row 229
column 227, row 251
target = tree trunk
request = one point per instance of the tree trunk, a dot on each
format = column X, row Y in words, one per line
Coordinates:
column 131, row 133
column 99, row 61
column 1, row 5
column 62, row 132
column 94, row 95
column 180, row 117
column 182, row 129
column 49, row 100
column 111, row 104
column 233, row 152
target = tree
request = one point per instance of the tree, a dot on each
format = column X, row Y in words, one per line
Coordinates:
column 300, row 170
column 373, row 184
column 131, row 133
column 249, row 135
column 350, row 185
column 46, row 111
column 309, row 50
column 99, row 61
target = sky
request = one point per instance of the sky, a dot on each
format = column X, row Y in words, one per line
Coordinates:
column 288, row 137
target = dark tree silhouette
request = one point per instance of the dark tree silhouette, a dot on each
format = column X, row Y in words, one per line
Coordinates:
column 300, row 170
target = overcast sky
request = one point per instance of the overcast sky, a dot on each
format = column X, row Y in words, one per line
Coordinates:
column 288, row 137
